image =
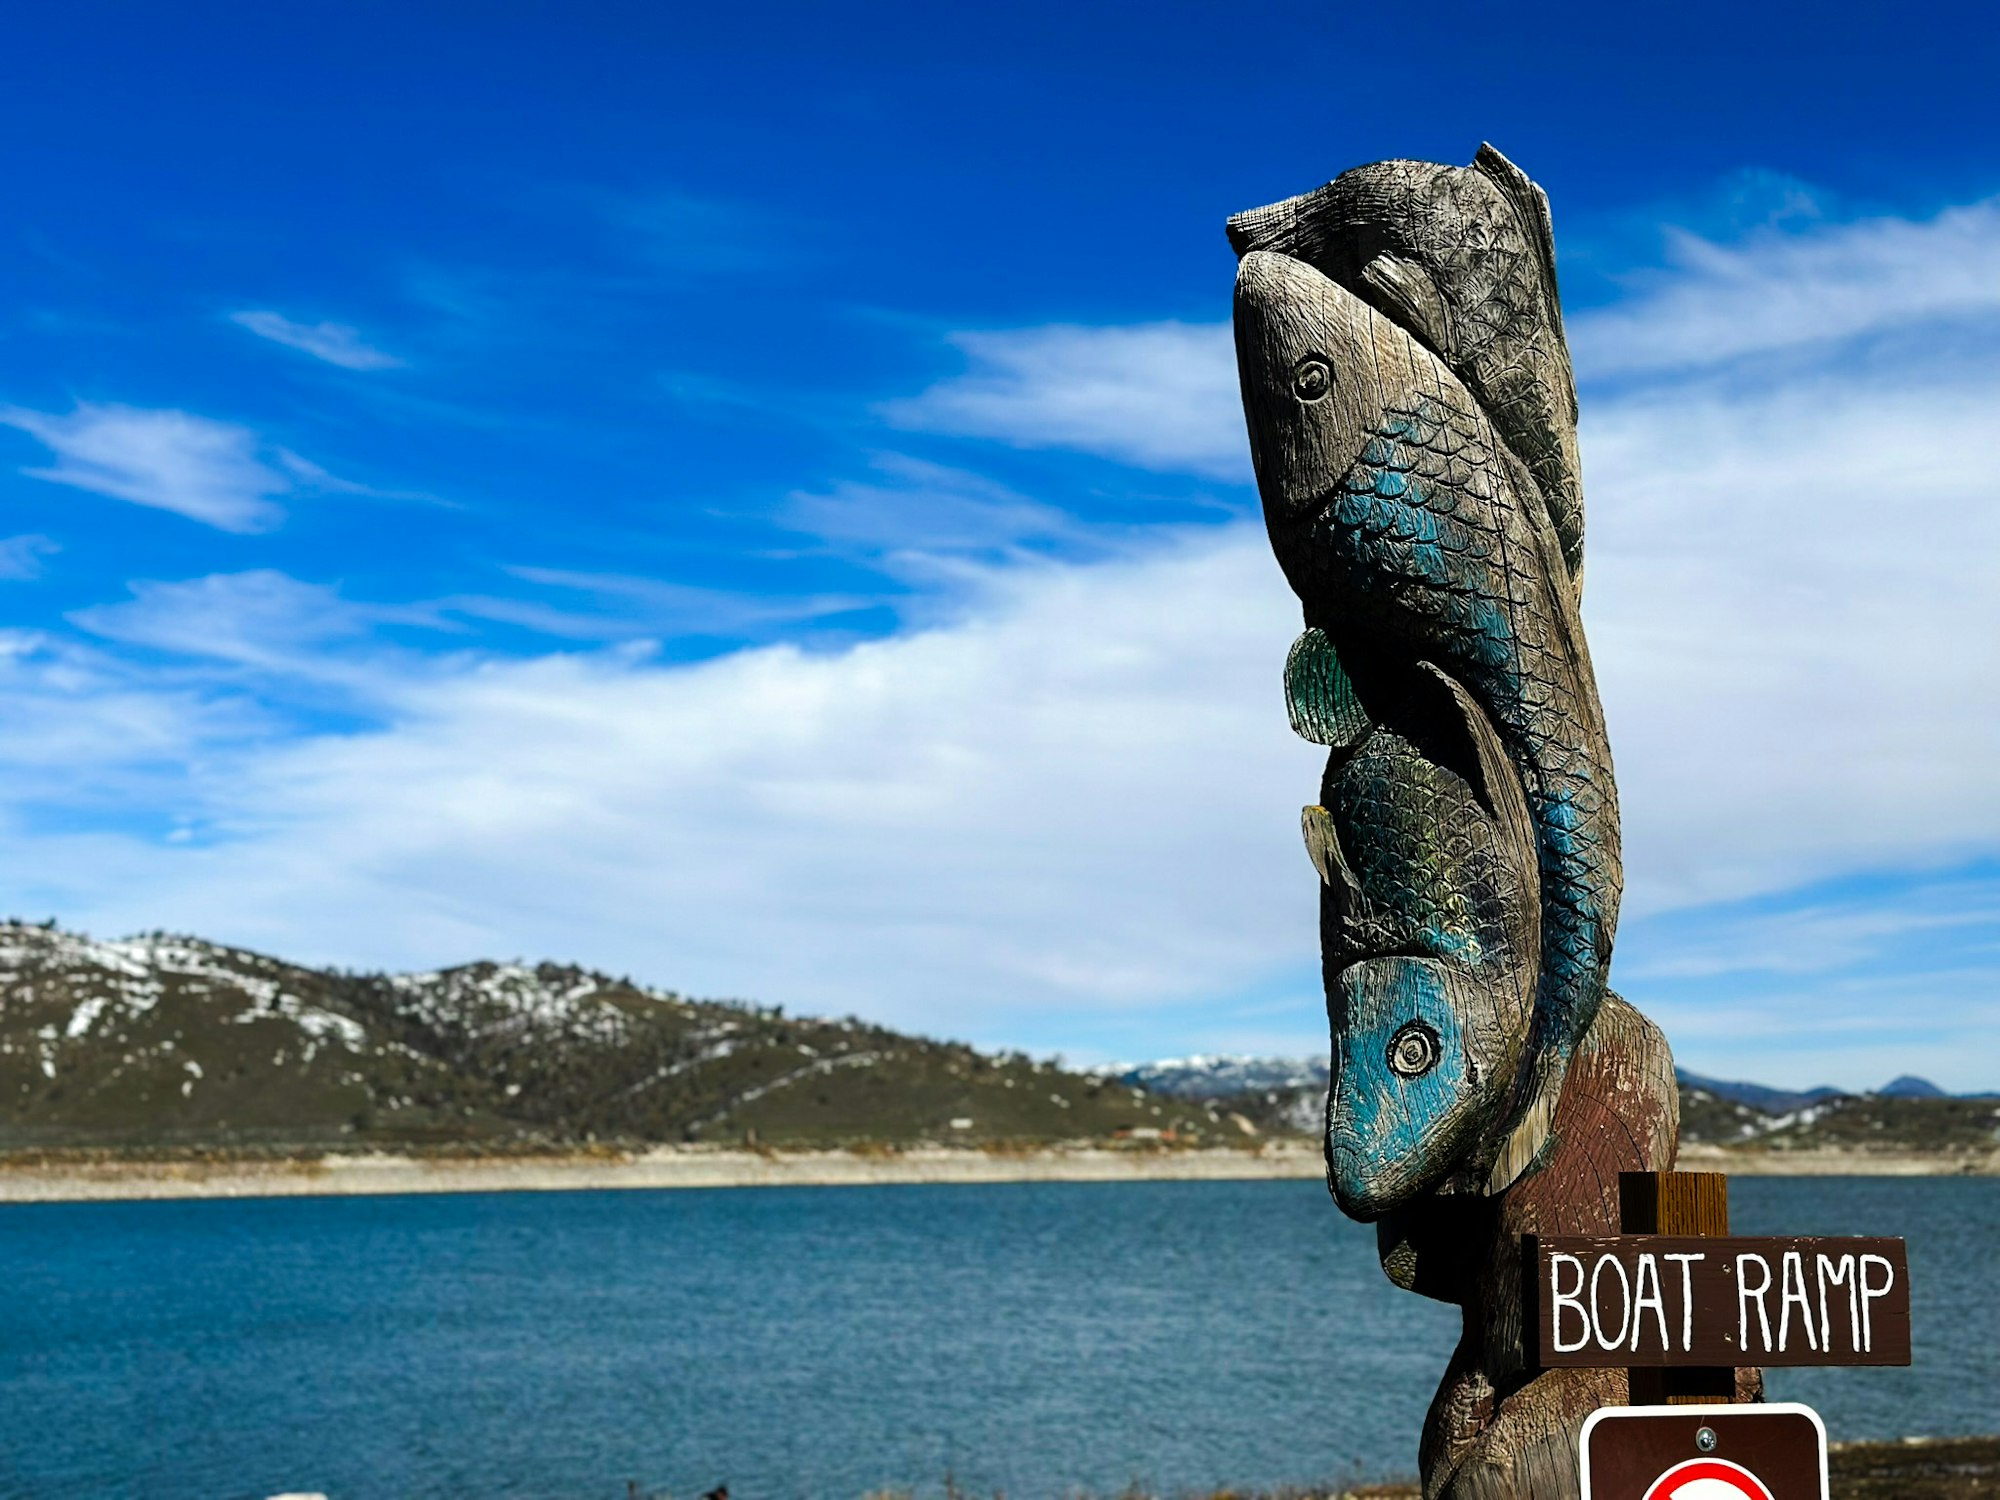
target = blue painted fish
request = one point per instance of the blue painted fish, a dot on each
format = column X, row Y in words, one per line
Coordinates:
column 1413, row 534
column 1430, row 920
column 1463, row 258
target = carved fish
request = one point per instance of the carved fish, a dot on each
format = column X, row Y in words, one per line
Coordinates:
column 1412, row 533
column 1430, row 923
column 1464, row 259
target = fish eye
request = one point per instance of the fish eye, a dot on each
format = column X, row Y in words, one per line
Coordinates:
column 1414, row 1051
column 1312, row 378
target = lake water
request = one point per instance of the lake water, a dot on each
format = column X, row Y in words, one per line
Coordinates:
column 806, row 1342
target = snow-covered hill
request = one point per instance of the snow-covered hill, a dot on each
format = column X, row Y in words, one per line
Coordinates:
column 164, row 1040
column 1206, row 1077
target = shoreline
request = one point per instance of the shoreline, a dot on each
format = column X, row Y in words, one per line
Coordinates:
column 672, row 1167
column 664, row 1167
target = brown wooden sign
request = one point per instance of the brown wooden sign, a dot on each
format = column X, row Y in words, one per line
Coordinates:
column 1775, row 1452
column 1650, row 1299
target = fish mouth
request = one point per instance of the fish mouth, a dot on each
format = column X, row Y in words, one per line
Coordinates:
column 1364, row 1195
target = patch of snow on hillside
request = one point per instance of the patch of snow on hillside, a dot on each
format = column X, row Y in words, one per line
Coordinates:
column 811, row 1070
column 316, row 1021
column 1801, row 1117
column 85, row 1016
column 489, row 998
column 714, row 1052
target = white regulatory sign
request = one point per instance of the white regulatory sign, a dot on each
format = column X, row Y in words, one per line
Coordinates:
column 1749, row 1452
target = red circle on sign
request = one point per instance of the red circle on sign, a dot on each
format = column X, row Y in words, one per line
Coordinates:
column 1708, row 1479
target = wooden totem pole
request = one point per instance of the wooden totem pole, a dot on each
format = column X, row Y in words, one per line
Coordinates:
column 1412, row 418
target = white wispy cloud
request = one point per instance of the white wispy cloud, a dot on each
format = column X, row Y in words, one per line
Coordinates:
column 1159, row 395
column 21, row 556
column 918, row 519
column 335, row 343
column 1788, row 608
column 616, row 606
column 87, row 734
column 1066, row 813
column 1792, row 288
column 1083, row 797
column 261, row 619
column 209, row 471
column 1904, row 925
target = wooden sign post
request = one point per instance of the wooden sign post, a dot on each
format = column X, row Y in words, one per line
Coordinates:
column 1685, row 1307
column 1690, row 1203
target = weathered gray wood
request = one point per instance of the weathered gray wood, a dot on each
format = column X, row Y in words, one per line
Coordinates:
column 1412, row 420
column 1464, row 258
column 1414, row 536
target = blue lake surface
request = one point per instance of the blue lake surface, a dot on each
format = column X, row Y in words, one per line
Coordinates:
column 827, row 1342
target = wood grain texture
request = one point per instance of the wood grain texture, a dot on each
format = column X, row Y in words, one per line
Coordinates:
column 1418, row 541
column 1680, row 1203
column 1412, row 420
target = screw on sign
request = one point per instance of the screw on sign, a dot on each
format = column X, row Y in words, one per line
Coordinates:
column 1774, row 1452
column 1708, row 1479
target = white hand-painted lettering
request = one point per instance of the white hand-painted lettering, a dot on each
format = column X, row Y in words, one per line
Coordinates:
column 1560, row 1299
column 1839, row 1273
column 1871, row 1293
column 1687, row 1260
column 1649, row 1271
column 1744, row 1293
column 1597, row 1306
column 1792, row 1288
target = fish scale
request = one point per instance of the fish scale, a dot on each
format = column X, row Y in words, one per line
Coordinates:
column 1480, row 237
column 1430, row 560
column 1426, row 858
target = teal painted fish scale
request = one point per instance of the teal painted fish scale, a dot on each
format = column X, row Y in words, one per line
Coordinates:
column 1486, row 254
column 1425, row 544
column 1432, row 875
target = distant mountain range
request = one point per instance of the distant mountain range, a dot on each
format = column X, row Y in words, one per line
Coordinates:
column 161, row 1041
column 170, row 1042
column 1201, row 1077
column 1906, row 1113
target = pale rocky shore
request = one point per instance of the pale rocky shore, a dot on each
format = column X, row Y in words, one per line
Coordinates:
column 1834, row 1162
column 661, row 1167
column 69, row 1179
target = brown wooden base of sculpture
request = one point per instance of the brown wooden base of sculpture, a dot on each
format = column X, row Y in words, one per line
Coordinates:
column 1498, row 1429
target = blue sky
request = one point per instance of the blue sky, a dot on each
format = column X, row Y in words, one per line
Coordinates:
column 754, row 497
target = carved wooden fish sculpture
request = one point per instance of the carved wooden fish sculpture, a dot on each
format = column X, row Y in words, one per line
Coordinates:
column 1464, row 259
column 1430, row 921
column 1412, row 419
column 1413, row 533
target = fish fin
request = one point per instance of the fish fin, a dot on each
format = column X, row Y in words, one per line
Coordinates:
column 1451, row 728
column 1532, row 204
column 1320, row 696
column 1407, row 296
column 1323, row 845
column 1529, row 1140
